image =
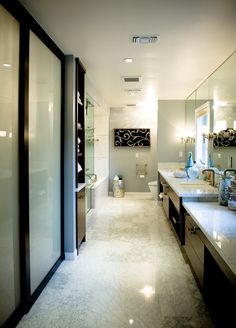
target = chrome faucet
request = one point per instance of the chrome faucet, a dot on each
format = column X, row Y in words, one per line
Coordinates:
column 92, row 176
column 229, row 170
column 212, row 176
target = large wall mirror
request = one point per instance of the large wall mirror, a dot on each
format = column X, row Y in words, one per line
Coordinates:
column 218, row 91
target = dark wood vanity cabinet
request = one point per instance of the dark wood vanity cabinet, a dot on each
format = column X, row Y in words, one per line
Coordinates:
column 219, row 290
column 172, row 206
column 165, row 200
column 194, row 248
column 214, row 277
column 176, row 214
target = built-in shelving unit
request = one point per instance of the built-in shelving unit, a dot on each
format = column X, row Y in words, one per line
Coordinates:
column 74, row 154
column 80, row 123
column 80, row 152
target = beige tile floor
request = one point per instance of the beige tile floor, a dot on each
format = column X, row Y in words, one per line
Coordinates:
column 130, row 273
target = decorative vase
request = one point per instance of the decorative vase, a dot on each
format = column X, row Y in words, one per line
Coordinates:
column 224, row 190
column 193, row 172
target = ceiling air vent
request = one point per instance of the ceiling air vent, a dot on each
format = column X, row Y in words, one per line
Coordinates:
column 128, row 79
column 145, row 39
column 132, row 90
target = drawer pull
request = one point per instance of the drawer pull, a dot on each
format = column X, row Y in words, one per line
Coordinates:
column 193, row 230
column 175, row 221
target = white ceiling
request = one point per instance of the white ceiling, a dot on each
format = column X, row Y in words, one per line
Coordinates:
column 196, row 36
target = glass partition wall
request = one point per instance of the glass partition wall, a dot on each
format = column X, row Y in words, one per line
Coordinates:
column 31, row 81
column 89, row 151
column 44, row 159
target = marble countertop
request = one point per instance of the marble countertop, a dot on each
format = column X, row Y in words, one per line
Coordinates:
column 218, row 224
column 185, row 187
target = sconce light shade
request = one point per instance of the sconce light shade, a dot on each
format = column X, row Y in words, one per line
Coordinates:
column 188, row 140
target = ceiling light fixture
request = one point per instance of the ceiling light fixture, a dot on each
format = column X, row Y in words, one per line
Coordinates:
column 6, row 65
column 128, row 60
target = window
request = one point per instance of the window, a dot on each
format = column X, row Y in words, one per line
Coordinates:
column 202, row 126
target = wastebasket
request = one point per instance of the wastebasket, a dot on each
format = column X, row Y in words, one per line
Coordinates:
column 118, row 187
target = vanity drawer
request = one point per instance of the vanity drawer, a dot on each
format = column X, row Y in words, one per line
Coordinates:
column 162, row 180
column 193, row 232
column 194, row 248
column 166, row 204
column 175, row 199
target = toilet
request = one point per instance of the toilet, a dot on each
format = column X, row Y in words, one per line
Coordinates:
column 153, row 188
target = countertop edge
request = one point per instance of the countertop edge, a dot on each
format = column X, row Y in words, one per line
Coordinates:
column 80, row 187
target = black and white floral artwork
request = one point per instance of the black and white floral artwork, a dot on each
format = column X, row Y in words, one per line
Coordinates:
column 225, row 138
column 132, row 137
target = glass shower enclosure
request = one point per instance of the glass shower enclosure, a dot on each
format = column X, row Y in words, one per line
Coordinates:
column 89, row 151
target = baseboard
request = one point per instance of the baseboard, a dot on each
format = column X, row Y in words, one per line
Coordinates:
column 71, row 256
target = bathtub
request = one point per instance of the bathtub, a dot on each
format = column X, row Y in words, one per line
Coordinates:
column 99, row 191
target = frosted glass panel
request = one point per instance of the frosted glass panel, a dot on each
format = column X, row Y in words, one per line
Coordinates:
column 44, row 159
column 9, row 212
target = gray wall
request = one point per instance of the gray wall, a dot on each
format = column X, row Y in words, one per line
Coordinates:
column 171, row 124
column 123, row 160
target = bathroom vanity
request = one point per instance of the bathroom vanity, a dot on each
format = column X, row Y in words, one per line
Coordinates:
column 175, row 191
column 206, row 232
column 210, row 245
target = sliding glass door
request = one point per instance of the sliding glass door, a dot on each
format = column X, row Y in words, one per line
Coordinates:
column 9, row 207
column 31, row 88
column 44, row 160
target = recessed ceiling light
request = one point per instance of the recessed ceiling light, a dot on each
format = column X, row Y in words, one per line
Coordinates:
column 128, row 60
column 132, row 94
column 7, row 65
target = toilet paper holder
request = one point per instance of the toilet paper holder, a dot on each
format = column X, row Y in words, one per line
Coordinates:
column 141, row 170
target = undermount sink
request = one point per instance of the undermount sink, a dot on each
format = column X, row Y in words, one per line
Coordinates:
column 186, row 183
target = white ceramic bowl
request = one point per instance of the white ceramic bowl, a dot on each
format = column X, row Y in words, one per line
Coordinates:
column 179, row 174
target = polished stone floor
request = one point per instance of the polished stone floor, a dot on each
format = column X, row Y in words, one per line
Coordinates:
column 130, row 273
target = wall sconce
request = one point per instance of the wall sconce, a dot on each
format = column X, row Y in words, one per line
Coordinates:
column 187, row 140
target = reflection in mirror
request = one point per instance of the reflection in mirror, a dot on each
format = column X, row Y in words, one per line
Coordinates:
column 190, row 106
column 202, row 127
column 219, row 91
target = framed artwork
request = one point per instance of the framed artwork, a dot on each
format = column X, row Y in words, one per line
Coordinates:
column 225, row 138
column 132, row 137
